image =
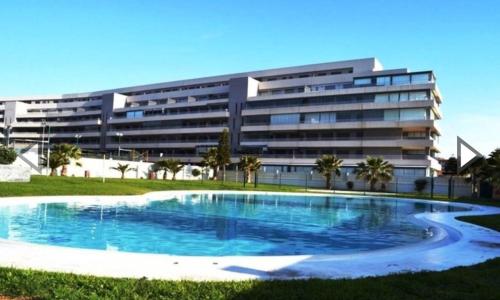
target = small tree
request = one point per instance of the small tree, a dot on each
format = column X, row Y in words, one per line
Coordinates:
column 210, row 160
column 123, row 169
column 420, row 184
column 249, row 164
column 195, row 172
column 223, row 151
column 491, row 170
column 450, row 166
column 161, row 165
column 65, row 153
column 375, row 169
column 328, row 166
column 174, row 166
column 7, row 155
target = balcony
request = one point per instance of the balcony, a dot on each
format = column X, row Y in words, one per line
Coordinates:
column 167, row 130
column 179, row 116
column 57, row 124
column 162, row 144
column 286, row 109
column 344, row 124
column 353, row 142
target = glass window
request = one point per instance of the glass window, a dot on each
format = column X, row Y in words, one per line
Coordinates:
column 384, row 80
column 420, row 78
column 135, row 114
column 312, row 118
column 403, row 97
column 401, row 79
column 394, row 97
column 285, row 119
column 327, row 117
column 381, row 98
column 391, row 115
column 413, row 114
column 363, row 81
column 414, row 96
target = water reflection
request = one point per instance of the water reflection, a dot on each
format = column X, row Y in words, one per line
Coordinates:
column 222, row 224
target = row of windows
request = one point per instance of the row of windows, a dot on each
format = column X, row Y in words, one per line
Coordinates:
column 406, row 114
column 416, row 78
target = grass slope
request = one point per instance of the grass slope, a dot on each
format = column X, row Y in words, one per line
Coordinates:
column 478, row 282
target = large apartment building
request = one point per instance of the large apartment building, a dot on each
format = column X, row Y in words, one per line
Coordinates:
column 287, row 116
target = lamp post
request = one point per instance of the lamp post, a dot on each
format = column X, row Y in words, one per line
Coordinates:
column 278, row 174
column 119, row 135
column 9, row 129
column 77, row 137
column 48, row 147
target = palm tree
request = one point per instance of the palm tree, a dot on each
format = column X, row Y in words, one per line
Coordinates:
column 249, row 164
column 210, row 160
column 55, row 162
column 375, row 169
column 491, row 170
column 174, row 166
column 123, row 169
column 64, row 153
column 161, row 165
column 328, row 165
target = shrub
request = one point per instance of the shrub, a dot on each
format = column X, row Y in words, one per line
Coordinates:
column 420, row 184
column 7, row 155
column 195, row 172
column 350, row 185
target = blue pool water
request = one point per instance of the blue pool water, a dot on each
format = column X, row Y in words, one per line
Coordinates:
column 222, row 224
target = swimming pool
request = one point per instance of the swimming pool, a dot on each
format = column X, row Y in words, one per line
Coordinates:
column 224, row 224
column 227, row 235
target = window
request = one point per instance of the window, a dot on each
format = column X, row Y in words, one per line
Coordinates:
column 413, row 114
column 420, row 78
column 363, row 81
column 415, row 135
column 285, row 119
column 415, row 96
column 316, row 118
column 385, row 80
column 381, row 98
column 401, row 80
column 391, row 115
column 403, row 97
column 135, row 114
column 394, row 97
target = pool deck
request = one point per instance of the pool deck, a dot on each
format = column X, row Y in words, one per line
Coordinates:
column 454, row 243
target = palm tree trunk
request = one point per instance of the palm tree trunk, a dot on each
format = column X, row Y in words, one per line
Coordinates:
column 64, row 170
column 123, row 175
column 328, row 180
column 165, row 175
column 173, row 176
column 249, row 176
column 53, row 172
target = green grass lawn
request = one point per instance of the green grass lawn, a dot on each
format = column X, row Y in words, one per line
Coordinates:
column 476, row 282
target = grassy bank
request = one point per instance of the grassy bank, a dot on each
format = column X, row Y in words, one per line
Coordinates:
column 51, row 186
column 478, row 282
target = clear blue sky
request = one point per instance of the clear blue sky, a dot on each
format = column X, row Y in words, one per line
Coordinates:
column 50, row 47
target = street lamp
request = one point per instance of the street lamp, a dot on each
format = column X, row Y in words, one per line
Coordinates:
column 44, row 123
column 9, row 129
column 77, row 137
column 119, row 135
column 278, row 174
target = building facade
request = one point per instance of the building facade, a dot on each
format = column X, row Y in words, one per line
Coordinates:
column 287, row 116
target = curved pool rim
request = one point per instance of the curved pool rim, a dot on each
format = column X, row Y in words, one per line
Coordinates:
column 453, row 244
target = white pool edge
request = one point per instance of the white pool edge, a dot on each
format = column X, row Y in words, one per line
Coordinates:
column 455, row 244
